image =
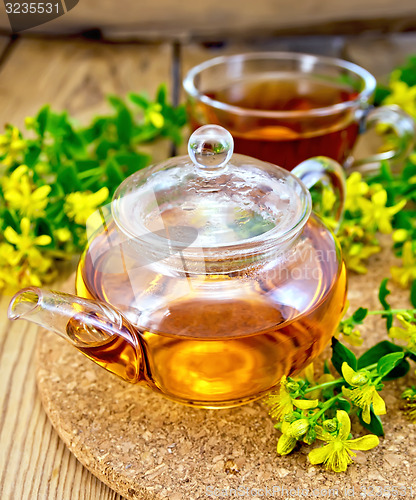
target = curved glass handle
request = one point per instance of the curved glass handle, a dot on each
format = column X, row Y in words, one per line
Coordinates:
column 330, row 173
column 404, row 128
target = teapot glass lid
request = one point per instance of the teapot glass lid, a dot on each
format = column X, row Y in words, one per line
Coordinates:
column 211, row 198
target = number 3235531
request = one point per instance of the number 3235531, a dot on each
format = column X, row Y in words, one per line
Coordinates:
column 32, row 8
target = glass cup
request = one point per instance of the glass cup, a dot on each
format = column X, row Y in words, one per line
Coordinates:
column 287, row 107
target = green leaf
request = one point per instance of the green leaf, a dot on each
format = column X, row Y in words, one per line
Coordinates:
column 413, row 294
column 399, row 371
column 385, row 171
column 340, row 353
column 73, row 144
column 359, row 315
column 105, row 147
column 124, row 124
column 114, row 173
column 386, row 364
column 343, row 404
column 382, row 294
column 140, row 100
column 96, row 129
column 57, row 124
column 376, row 352
column 130, row 163
column 116, row 102
column 380, row 94
column 375, row 426
column 42, row 119
column 84, row 165
column 161, row 94
column 32, row 155
column 11, row 219
column 68, row 178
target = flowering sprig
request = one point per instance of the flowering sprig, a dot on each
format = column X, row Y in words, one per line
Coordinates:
column 306, row 410
column 54, row 175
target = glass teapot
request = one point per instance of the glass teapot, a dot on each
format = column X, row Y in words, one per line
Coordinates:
column 207, row 278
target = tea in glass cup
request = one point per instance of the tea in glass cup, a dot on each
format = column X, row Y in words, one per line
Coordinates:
column 286, row 107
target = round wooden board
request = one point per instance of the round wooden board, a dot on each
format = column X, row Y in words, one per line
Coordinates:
column 146, row 447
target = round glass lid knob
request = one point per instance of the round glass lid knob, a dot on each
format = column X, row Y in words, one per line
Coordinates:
column 210, row 148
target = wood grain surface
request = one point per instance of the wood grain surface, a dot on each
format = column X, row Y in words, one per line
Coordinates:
column 77, row 75
column 170, row 19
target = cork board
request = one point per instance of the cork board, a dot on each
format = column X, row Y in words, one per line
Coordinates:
column 146, row 447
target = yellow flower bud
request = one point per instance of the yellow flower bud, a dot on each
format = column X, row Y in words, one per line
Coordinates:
column 330, row 425
column 30, row 121
column 359, row 379
column 285, row 444
column 298, row 428
column 400, row 235
column 292, row 386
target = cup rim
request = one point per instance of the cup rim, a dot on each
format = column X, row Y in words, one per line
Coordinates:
column 362, row 98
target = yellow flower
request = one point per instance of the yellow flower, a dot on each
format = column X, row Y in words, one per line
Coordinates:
column 30, row 122
column 407, row 273
column 20, row 269
column 356, row 253
column 154, row 115
column 22, row 195
column 357, row 246
column 402, row 95
column 410, row 409
column 26, row 241
column 286, row 443
column 353, row 337
column 364, row 393
column 309, row 375
column 11, row 147
column 63, row 234
column 356, row 189
column 281, row 404
column 407, row 333
column 337, row 454
column 291, row 432
column 81, row 204
column 375, row 213
column 400, row 235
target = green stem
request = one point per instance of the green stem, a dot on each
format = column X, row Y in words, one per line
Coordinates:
column 390, row 311
column 326, row 406
column 90, row 173
column 325, row 385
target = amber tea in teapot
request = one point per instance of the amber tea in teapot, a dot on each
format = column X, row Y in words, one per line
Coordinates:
column 204, row 345
column 209, row 280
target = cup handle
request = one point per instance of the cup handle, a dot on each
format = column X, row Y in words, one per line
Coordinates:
column 330, row 173
column 404, row 128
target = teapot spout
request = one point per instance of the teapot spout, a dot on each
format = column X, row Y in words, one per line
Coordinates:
column 95, row 328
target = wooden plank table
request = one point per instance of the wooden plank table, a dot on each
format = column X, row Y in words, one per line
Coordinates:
column 73, row 75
